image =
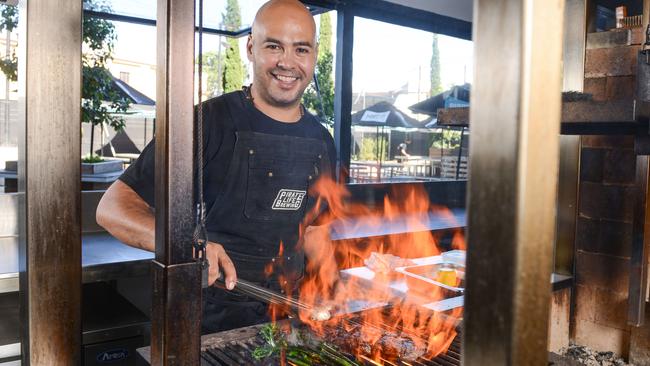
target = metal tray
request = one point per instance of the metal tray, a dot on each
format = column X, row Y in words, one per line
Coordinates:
column 422, row 278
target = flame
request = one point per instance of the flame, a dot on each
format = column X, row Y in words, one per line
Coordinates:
column 408, row 206
column 278, row 311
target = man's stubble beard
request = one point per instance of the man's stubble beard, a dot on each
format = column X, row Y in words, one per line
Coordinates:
column 265, row 93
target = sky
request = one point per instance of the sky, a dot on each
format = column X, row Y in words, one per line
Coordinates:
column 386, row 57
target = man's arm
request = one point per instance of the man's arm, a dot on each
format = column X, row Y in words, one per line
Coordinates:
column 124, row 214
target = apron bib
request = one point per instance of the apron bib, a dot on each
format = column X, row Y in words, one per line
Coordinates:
column 263, row 201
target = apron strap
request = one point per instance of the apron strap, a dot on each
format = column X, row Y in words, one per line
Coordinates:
column 240, row 120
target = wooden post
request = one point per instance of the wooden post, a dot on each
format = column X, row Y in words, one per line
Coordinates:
column 515, row 114
column 51, row 247
column 176, row 312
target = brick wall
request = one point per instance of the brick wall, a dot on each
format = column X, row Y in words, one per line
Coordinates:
column 603, row 242
column 606, row 204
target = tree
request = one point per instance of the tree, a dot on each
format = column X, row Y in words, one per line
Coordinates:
column 436, row 84
column 100, row 101
column 211, row 70
column 233, row 68
column 446, row 139
column 323, row 105
column 9, row 21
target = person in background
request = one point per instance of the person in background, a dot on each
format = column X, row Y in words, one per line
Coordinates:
column 401, row 148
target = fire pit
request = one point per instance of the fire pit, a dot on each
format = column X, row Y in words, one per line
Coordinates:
column 236, row 347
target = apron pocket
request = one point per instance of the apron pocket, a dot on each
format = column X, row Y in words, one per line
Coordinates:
column 277, row 191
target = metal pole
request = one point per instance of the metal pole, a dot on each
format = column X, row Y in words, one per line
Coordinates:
column 51, row 259
column 573, row 60
column 646, row 13
column 144, row 140
column 460, row 152
column 515, row 114
column 639, row 255
column 176, row 311
column 7, row 115
column 343, row 91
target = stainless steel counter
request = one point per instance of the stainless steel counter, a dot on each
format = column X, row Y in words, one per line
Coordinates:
column 106, row 258
column 103, row 258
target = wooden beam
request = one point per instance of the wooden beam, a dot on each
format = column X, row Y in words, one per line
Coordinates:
column 176, row 311
column 515, row 113
column 51, row 261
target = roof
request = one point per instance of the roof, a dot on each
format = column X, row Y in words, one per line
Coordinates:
column 131, row 93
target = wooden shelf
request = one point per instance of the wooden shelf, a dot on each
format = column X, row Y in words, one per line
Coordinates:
column 623, row 117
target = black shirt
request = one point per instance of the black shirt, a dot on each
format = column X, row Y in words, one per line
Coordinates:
column 219, row 137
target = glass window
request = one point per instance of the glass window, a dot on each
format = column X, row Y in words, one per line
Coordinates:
column 319, row 95
column 145, row 9
column 212, row 15
column 133, row 68
column 12, row 203
column 401, row 76
column 225, row 64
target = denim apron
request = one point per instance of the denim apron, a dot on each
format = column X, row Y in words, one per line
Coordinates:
column 263, row 201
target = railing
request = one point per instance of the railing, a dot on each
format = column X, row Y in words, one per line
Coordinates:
column 408, row 169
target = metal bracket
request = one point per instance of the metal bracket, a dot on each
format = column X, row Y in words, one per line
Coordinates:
column 177, row 305
column 639, row 256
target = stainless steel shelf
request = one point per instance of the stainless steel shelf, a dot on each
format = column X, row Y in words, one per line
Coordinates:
column 103, row 258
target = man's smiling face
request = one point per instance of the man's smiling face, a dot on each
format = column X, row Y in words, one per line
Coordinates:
column 283, row 51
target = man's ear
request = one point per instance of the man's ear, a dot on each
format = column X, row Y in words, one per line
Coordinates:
column 249, row 47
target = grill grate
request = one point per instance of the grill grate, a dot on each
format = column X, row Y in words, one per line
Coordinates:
column 235, row 347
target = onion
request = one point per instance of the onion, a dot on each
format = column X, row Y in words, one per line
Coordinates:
column 321, row 314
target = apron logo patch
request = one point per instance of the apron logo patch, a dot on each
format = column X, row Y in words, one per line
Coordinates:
column 288, row 199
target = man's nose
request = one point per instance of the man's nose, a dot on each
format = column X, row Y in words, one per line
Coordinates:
column 287, row 60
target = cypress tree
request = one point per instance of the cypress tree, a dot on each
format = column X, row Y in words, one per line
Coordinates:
column 324, row 66
column 233, row 68
column 436, row 84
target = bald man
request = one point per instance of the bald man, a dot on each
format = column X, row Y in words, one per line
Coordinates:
column 263, row 150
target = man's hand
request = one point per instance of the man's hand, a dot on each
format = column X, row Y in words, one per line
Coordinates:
column 219, row 261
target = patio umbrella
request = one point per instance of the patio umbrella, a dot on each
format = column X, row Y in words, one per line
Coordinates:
column 134, row 96
column 457, row 96
column 383, row 114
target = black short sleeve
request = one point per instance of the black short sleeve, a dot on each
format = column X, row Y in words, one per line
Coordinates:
column 216, row 128
column 140, row 175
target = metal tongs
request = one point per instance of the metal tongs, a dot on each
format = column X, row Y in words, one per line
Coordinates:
column 272, row 297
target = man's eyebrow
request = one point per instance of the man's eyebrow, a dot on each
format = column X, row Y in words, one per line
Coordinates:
column 303, row 43
column 299, row 43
